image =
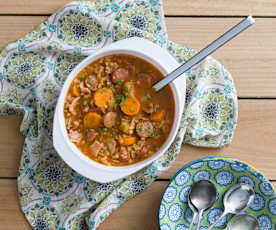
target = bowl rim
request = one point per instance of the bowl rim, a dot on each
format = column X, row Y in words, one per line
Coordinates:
column 105, row 52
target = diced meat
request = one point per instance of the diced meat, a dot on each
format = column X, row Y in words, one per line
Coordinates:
column 92, row 82
column 145, row 77
column 132, row 125
column 111, row 145
column 74, row 136
column 144, row 128
column 83, row 89
column 144, row 150
column 75, row 124
column 147, row 107
column 100, row 71
column 96, row 147
column 91, row 135
column 110, row 119
column 131, row 70
column 119, row 75
column 111, row 68
column 124, row 154
column 72, row 107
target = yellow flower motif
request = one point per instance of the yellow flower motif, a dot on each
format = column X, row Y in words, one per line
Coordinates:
column 79, row 29
column 71, row 204
column 137, row 19
column 215, row 110
column 25, row 193
column 22, row 69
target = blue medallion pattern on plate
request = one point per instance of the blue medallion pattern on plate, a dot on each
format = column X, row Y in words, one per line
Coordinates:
column 202, row 175
column 219, row 164
column 162, row 211
column 224, row 178
column 175, row 214
column 247, row 180
column 170, row 194
column 184, row 192
column 182, row 178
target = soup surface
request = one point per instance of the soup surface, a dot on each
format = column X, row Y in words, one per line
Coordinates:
column 113, row 115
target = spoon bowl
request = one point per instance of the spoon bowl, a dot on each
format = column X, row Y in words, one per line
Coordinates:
column 237, row 199
column 243, row 222
column 202, row 196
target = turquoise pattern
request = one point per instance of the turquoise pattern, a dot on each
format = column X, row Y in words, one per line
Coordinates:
column 32, row 72
column 224, row 173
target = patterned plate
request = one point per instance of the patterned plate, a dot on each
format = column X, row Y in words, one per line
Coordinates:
column 174, row 213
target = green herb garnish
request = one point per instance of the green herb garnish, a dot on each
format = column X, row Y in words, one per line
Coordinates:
column 148, row 96
column 100, row 131
column 82, row 76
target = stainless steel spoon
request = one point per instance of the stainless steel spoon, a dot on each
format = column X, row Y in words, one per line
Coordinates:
column 243, row 222
column 202, row 196
column 236, row 200
column 194, row 213
column 233, row 32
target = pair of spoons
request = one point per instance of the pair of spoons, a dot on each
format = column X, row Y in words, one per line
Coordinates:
column 237, row 199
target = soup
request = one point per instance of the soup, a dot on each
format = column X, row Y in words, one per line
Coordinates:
column 113, row 115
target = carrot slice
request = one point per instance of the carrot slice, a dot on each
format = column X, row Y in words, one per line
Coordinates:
column 158, row 116
column 130, row 106
column 92, row 120
column 75, row 91
column 125, row 141
column 103, row 97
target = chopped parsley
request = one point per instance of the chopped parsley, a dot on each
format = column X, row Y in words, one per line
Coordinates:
column 100, row 131
column 154, row 134
column 131, row 109
column 92, row 119
column 149, row 131
column 119, row 97
column 148, row 96
column 119, row 81
column 82, row 76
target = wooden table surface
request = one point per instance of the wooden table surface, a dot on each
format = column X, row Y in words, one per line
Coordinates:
column 251, row 58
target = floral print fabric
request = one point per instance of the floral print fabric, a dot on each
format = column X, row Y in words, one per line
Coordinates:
column 32, row 72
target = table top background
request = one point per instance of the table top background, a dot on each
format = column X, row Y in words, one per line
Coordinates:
column 251, row 59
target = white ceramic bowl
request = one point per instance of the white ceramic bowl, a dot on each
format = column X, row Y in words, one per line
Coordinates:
column 69, row 152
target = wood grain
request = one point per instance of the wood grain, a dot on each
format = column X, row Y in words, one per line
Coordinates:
column 250, row 57
column 176, row 7
column 141, row 211
column 254, row 141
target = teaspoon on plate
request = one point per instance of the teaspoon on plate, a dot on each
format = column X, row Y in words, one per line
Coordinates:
column 202, row 196
column 243, row 222
column 236, row 200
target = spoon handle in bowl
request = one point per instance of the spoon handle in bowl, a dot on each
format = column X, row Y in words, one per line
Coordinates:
column 213, row 224
column 233, row 32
